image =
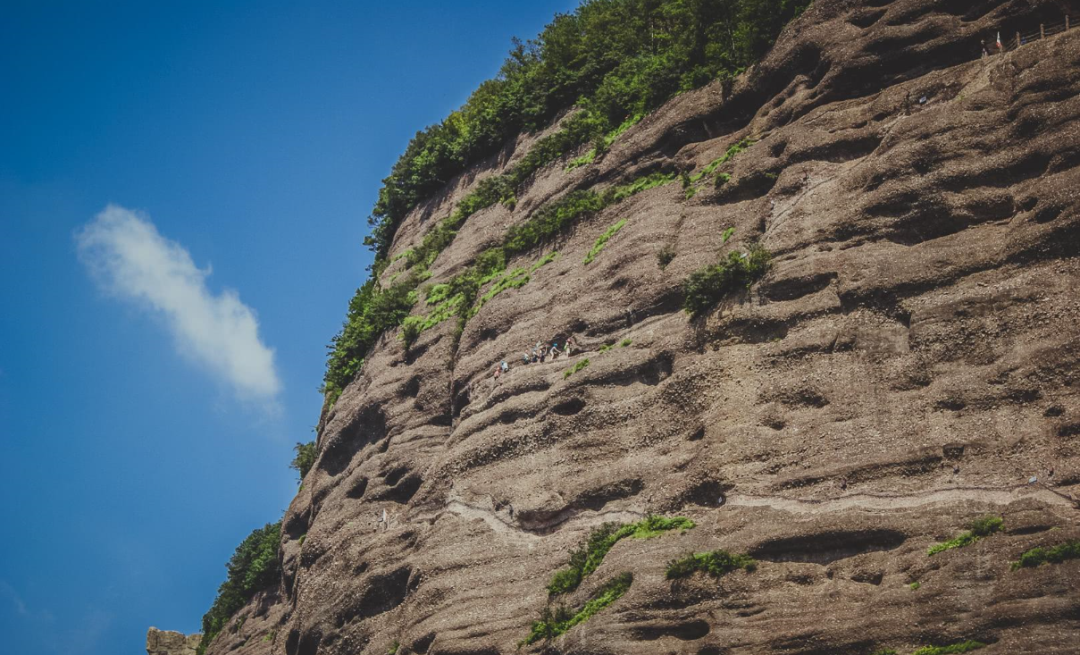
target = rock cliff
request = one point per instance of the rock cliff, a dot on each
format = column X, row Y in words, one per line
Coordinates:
column 909, row 364
column 165, row 642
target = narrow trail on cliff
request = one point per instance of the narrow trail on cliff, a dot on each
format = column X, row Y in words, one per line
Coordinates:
column 500, row 522
column 889, row 502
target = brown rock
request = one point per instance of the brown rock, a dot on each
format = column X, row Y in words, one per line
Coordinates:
column 167, row 642
column 922, row 311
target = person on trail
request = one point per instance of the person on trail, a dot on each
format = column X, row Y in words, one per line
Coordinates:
column 498, row 372
column 525, row 358
column 554, row 352
column 570, row 346
column 505, row 367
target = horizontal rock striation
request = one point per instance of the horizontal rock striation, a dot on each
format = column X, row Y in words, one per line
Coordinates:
column 909, row 363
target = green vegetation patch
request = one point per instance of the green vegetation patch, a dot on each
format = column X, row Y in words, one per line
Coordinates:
column 731, row 153
column 1043, row 555
column 372, row 311
column 717, row 563
column 622, row 192
column 602, row 240
column 252, row 568
column 576, row 367
column 617, row 60
column 586, row 559
column 885, row 651
column 707, row 286
column 962, row 647
column 306, row 453
column 553, row 623
column 979, row 528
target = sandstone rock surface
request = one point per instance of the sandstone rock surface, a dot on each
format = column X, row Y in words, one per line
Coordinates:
column 911, row 360
column 168, row 642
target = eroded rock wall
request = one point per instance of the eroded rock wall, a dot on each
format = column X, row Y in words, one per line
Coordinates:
column 168, row 642
column 909, row 363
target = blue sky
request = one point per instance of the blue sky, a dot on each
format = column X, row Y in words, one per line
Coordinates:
column 183, row 194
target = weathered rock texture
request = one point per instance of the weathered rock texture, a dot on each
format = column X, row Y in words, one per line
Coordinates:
column 909, row 362
column 167, row 642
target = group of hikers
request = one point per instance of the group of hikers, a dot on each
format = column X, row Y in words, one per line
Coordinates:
column 541, row 352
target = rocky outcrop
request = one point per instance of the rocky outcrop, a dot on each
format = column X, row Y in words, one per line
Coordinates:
column 907, row 365
column 167, row 642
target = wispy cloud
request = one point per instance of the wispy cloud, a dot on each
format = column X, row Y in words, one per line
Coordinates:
column 131, row 260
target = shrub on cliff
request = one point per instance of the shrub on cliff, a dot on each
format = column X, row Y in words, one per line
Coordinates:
column 253, row 567
column 716, row 563
column 586, row 559
column 305, row 458
column 553, row 623
column 707, row 286
column 1053, row 555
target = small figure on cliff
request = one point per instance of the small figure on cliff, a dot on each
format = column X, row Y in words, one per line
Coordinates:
column 554, row 352
column 498, row 372
column 570, row 346
column 505, row 367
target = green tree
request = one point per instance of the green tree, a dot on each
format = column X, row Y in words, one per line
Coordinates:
column 306, row 453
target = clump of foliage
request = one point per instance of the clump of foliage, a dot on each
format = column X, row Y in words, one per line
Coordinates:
column 625, row 343
column 962, row 647
column 979, row 528
column 602, row 240
column 576, row 367
column 665, row 256
column 305, row 459
column 394, row 646
column 1043, row 555
column 716, row 563
column 617, row 60
column 253, row 567
column 731, row 153
column 914, row 586
column 587, row 558
column 707, row 286
column 372, row 311
column 553, row 623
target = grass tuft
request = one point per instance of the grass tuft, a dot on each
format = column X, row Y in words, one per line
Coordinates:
column 575, row 368
column 1043, row 555
column 603, row 239
column 586, row 559
column 716, row 563
column 979, row 528
column 553, row 623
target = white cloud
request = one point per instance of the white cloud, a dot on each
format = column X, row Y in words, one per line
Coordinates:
column 131, row 260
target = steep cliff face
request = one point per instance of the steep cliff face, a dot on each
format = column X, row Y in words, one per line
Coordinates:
column 907, row 365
